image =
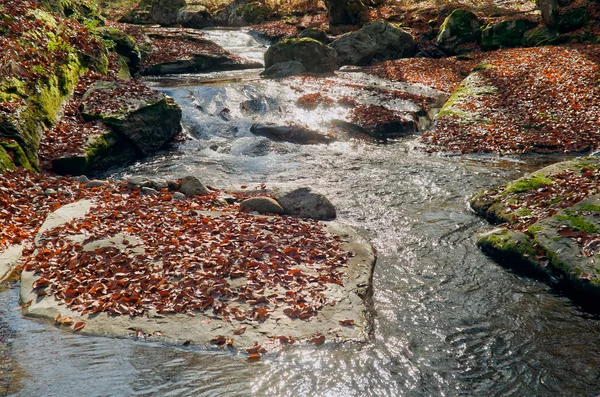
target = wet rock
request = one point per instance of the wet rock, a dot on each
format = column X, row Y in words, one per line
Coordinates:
column 294, row 134
column 201, row 63
column 165, row 12
column 505, row 34
column 316, row 57
column 147, row 122
column 459, row 28
column 192, row 186
column 262, row 205
column 346, row 12
column 251, row 147
column 284, row 69
column 305, row 203
column 138, row 181
column 315, row 34
column 376, row 41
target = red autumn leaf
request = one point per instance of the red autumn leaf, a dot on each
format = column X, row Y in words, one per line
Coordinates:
column 78, row 326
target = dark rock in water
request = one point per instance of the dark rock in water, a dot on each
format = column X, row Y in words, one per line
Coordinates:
column 375, row 41
column 251, row 147
column 459, row 28
column 305, row 203
column 262, row 205
column 202, row 63
column 380, row 122
column 315, row 34
column 284, row 69
column 294, row 134
column 192, row 186
column 346, row 12
column 165, row 12
column 505, row 34
column 316, row 57
column 147, row 122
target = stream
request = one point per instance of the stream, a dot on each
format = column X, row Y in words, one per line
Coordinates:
column 447, row 320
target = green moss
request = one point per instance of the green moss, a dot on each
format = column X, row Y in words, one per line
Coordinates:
column 508, row 33
column 528, row 184
column 533, row 229
column 507, row 245
column 590, row 207
column 578, row 223
column 18, row 155
column 6, row 162
column 523, row 212
column 539, row 36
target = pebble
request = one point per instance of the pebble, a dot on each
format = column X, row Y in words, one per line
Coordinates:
column 178, row 196
column 95, row 183
column 149, row 191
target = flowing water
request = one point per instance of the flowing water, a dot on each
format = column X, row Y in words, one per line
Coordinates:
column 447, row 320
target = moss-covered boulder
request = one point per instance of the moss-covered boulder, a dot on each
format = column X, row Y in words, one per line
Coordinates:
column 316, row 57
column 505, row 34
column 315, row 34
column 125, row 45
column 146, row 118
column 255, row 12
column 376, row 41
column 459, row 28
column 195, row 17
column 541, row 35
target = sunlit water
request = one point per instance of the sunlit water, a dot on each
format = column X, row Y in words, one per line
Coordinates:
column 448, row 320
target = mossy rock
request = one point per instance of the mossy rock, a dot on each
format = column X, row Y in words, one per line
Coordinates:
column 572, row 19
column 16, row 154
column 124, row 45
column 102, row 151
column 505, row 34
column 316, row 57
column 510, row 248
column 459, row 28
column 540, row 36
column 6, row 161
column 315, row 34
column 255, row 12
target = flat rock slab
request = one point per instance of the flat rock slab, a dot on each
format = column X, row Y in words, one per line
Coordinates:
column 348, row 319
column 8, row 259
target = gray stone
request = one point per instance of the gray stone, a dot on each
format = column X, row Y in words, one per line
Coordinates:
column 192, row 186
column 305, row 203
column 284, row 69
column 8, row 259
column 62, row 216
column 262, row 205
column 95, row 183
column 148, row 191
column 178, row 196
column 378, row 41
column 316, row 57
column 49, row 192
column 158, row 184
column 80, row 179
column 195, row 17
column 137, row 181
column 459, row 28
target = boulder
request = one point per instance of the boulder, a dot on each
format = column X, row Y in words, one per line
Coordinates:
column 147, row 120
column 165, row 12
column 305, row 203
column 201, row 63
column 539, row 36
column 125, row 46
column 195, row 17
column 262, row 205
column 549, row 10
column 284, row 69
column 459, row 28
column 504, row 34
column 242, row 13
column 346, row 12
column 376, row 41
column 316, row 57
column 291, row 133
column 315, row 34
column 192, row 186
column 572, row 19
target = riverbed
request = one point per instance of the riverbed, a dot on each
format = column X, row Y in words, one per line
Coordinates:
column 447, row 320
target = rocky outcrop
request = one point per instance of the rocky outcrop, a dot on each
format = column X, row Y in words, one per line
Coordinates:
column 459, row 28
column 293, row 133
column 547, row 235
column 195, row 17
column 505, row 34
column 315, row 34
column 346, row 12
column 283, row 69
column 316, row 57
column 376, row 41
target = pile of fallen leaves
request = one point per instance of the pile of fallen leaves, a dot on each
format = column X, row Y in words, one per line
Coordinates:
column 313, row 101
column 233, row 266
column 444, row 74
column 547, row 101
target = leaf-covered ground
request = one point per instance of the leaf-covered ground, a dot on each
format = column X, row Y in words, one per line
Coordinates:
column 235, row 266
column 541, row 100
